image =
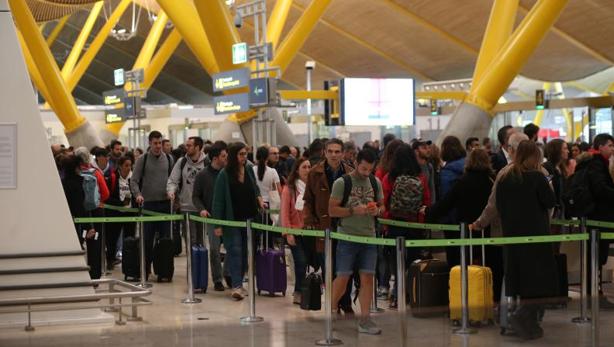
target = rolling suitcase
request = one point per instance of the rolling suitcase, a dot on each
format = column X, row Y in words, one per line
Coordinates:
column 164, row 256
column 130, row 259
column 481, row 302
column 200, row 268
column 428, row 287
column 177, row 241
column 271, row 270
column 311, row 292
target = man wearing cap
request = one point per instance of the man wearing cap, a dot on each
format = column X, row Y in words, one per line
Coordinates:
column 422, row 149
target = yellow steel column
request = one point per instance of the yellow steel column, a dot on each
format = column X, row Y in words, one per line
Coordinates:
column 65, row 106
column 558, row 88
column 35, row 75
column 144, row 57
column 96, row 44
column 56, row 30
column 299, row 33
column 539, row 115
column 513, row 55
column 498, row 30
column 161, row 58
column 277, row 21
column 220, row 29
column 77, row 47
column 183, row 15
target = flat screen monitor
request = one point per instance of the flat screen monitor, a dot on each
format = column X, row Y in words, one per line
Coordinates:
column 378, row 101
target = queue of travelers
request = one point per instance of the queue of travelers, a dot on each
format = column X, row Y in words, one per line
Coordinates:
column 514, row 191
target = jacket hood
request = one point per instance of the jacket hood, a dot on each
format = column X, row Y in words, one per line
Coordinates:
column 457, row 166
column 200, row 160
column 582, row 160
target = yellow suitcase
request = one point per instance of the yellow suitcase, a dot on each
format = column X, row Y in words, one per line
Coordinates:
column 481, row 306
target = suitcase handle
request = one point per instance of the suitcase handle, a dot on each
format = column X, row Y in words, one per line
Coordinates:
column 471, row 248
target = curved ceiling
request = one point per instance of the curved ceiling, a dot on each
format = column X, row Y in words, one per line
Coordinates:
column 423, row 39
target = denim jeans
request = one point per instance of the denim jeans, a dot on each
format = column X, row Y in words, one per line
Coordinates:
column 235, row 240
column 153, row 228
column 214, row 255
column 300, row 263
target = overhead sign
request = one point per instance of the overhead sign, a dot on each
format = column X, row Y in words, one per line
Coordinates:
column 231, row 103
column 110, row 116
column 114, row 96
column 118, row 76
column 540, row 99
column 434, row 107
column 261, row 90
column 239, row 53
column 232, row 79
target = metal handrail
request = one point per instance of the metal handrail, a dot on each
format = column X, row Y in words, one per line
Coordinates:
column 43, row 270
column 41, row 254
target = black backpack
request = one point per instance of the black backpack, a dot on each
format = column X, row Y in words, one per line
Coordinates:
column 347, row 188
column 577, row 198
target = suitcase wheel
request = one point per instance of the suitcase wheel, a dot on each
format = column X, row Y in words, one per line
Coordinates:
column 283, row 293
column 258, row 291
column 455, row 323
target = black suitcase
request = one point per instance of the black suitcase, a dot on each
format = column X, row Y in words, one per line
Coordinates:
column 563, row 284
column 177, row 241
column 130, row 259
column 428, row 287
column 164, row 259
column 311, row 292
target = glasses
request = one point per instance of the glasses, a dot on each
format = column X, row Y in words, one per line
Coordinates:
column 274, row 153
column 242, row 154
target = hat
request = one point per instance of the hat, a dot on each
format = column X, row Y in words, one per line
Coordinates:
column 420, row 142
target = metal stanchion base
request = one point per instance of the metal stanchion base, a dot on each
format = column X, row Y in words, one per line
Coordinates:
column 581, row 320
column 331, row 342
column 29, row 328
column 191, row 301
column 464, row 331
column 134, row 319
column 110, row 309
column 120, row 322
column 249, row 320
column 144, row 285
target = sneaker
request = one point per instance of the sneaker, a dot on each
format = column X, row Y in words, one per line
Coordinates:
column 219, row 287
column 237, row 294
column 244, row 291
column 369, row 327
column 296, row 298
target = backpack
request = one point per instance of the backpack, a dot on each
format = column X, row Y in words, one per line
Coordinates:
column 184, row 161
column 170, row 168
column 90, row 190
column 406, row 197
column 577, row 198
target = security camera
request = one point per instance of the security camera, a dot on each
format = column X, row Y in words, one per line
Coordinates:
column 310, row 65
column 238, row 20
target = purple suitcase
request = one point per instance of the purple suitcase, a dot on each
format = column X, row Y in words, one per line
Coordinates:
column 271, row 271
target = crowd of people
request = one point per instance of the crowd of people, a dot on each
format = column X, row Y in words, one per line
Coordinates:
column 513, row 191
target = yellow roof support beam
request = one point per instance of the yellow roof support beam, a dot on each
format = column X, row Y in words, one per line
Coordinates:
column 64, row 103
column 452, row 95
column 580, row 45
column 219, row 28
column 144, row 58
column 514, row 54
column 35, row 75
column 299, row 32
column 410, row 69
column 96, row 44
column 558, row 88
column 183, row 15
column 498, row 30
column 77, row 47
column 277, row 21
column 56, row 30
column 161, row 58
column 304, row 94
column 430, row 26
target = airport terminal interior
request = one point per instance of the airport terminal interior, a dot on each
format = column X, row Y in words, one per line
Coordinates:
column 307, row 173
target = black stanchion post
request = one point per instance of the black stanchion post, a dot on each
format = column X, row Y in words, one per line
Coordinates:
column 401, row 290
column 583, row 318
column 103, row 245
column 188, row 252
column 251, row 283
column 143, row 283
column 595, row 286
column 328, row 293
column 464, row 329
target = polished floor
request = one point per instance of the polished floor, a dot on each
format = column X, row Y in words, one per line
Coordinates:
column 215, row 322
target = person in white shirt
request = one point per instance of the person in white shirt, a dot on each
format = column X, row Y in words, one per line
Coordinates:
column 267, row 179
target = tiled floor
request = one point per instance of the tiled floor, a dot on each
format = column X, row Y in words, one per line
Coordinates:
column 215, row 322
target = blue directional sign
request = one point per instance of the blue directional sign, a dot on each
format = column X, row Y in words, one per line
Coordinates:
column 231, row 103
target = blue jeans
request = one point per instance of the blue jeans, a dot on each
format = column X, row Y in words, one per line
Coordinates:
column 300, row 263
column 235, row 241
column 352, row 256
column 153, row 228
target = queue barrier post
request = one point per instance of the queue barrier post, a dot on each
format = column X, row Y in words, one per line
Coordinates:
column 464, row 329
column 190, row 299
column 374, row 308
column 401, row 290
column 143, row 283
column 583, row 318
column 595, row 287
column 103, row 245
column 251, row 283
column 328, row 340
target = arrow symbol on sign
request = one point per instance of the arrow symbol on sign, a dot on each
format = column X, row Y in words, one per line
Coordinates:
column 257, row 91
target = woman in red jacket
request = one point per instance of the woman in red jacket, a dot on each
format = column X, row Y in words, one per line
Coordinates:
column 410, row 187
column 292, row 217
